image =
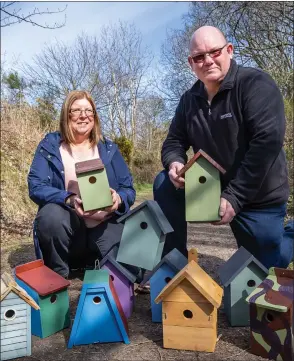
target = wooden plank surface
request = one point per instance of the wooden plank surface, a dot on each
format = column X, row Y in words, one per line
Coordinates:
column 203, row 314
column 189, row 338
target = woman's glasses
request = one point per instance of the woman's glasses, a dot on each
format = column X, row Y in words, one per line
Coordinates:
column 78, row 112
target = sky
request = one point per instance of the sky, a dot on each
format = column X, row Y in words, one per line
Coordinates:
column 20, row 42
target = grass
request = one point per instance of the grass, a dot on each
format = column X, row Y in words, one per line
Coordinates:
column 144, row 191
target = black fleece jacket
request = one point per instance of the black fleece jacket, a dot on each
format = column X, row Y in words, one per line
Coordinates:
column 242, row 129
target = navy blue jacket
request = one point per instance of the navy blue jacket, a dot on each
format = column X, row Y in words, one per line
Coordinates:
column 46, row 177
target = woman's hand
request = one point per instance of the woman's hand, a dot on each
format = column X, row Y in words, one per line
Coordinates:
column 116, row 202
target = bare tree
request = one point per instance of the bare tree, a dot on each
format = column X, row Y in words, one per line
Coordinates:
column 12, row 14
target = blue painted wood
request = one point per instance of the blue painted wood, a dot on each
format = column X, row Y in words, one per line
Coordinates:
column 97, row 318
column 15, row 332
column 157, row 282
column 36, row 326
column 227, row 302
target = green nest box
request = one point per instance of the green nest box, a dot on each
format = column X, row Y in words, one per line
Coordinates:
column 202, row 188
column 93, row 184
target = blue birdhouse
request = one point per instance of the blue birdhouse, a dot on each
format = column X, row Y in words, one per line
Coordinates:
column 240, row 275
column 143, row 236
column 165, row 270
column 99, row 317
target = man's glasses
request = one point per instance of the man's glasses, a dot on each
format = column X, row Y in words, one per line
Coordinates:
column 78, row 112
column 200, row 58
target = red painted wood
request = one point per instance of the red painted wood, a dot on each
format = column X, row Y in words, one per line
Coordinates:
column 118, row 305
column 193, row 160
column 41, row 278
column 28, row 266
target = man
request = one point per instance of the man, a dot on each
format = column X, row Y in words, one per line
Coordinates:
column 236, row 115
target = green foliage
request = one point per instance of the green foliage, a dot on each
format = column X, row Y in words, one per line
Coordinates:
column 126, row 148
column 143, row 187
column 46, row 111
column 15, row 85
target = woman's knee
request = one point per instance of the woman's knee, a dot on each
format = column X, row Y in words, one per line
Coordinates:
column 50, row 219
column 162, row 183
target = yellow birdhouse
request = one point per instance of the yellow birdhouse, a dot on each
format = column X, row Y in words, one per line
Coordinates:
column 189, row 310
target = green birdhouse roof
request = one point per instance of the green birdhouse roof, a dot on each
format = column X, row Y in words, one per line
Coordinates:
column 276, row 291
column 156, row 212
column 196, row 156
column 239, row 260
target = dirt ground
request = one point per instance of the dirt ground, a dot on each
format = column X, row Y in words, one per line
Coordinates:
column 214, row 244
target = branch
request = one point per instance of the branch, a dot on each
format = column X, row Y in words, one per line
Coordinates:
column 27, row 18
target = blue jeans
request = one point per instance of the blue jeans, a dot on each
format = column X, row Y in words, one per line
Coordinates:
column 260, row 231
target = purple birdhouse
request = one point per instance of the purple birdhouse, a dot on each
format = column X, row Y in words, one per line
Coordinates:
column 123, row 281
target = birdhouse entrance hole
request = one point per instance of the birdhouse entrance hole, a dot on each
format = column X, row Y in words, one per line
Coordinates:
column 112, row 278
column 167, row 279
column 251, row 283
column 202, row 179
column 53, row 298
column 9, row 315
column 269, row 317
column 143, row 225
column 188, row 314
column 96, row 300
column 92, row 180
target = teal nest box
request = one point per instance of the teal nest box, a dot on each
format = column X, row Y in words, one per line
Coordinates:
column 202, row 188
column 143, row 236
column 93, row 184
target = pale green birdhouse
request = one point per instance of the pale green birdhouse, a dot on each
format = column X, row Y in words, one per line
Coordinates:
column 93, row 184
column 202, row 188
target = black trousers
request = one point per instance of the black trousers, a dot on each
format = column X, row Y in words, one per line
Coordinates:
column 66, row 242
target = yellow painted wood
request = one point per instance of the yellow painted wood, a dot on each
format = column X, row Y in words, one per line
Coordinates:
column 189, row 338
column 177, row 314
column 193, row 255
column 199, row 279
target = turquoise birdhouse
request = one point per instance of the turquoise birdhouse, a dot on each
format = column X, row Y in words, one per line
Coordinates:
column 143, row 236
column 165, row 270
column 240, row 275
column 99, row 317
column 49, row 291
column 202, row 188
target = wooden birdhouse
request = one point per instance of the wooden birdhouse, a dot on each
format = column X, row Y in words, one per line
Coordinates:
column 143, row 236
column 165, row 270
column 271, row 316
column 49, row 291
column 93, row 184
column 189, row 310
column 99, row 317
column 202, row 188
column 240, row 275
column 15, row 319
column 123, row 281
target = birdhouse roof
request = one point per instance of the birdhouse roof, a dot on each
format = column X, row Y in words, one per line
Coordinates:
column 276, row 292
column 199, row 279
column 174, row 259
column 196, row 156
column 89, row 166
column 41, row 278
column 111, row 258
column 8, row 285
column 156, row 212
column 239, row 260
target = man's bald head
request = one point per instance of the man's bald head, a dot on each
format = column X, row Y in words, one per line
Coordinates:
column 204, row 34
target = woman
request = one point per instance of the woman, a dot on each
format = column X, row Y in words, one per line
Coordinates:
column 70, row 238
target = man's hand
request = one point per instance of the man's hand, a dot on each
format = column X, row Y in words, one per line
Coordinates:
column 174, row 168
column 226, row 211
column 116, row 200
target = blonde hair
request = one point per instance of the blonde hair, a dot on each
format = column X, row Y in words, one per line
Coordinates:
column 64, row 128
